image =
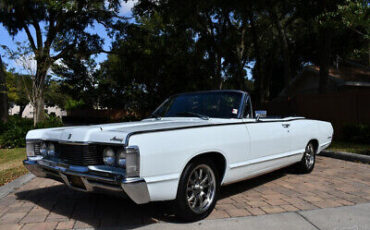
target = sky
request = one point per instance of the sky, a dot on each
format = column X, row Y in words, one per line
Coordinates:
column 10, row 42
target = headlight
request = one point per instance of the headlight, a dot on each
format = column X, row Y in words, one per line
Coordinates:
column 121, row 158
column 132, row 161
column 109, row 157
column 44, row 149
column 51, row 150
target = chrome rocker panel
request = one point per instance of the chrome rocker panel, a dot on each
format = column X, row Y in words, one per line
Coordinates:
column 94, row 178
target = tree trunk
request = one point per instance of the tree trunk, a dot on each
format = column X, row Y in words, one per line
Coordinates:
column 39, row 114
column 39, row 85
column 368, row 53
column 324, row 59
column 3, row 95
column 218, row 71
column 240, row 50
column 21, row 109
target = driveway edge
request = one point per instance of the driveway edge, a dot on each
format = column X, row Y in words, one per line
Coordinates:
column 344, row 217
column 11, row 186
column 346, row 156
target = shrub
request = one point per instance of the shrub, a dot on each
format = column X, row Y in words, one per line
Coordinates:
column 357, row 133
column 52, row 121
column 13, row 133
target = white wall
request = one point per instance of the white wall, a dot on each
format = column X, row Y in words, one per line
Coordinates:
column 28, row 111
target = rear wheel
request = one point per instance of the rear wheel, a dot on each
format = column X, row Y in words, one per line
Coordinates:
column 197, row 192
column 308, row 160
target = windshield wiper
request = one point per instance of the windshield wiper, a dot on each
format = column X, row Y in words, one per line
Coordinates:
column 201, row 116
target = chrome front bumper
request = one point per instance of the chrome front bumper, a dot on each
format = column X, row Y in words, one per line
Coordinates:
column 90, row 178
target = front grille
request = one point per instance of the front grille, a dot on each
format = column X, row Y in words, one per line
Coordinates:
column 36, row 148
column 79, row 154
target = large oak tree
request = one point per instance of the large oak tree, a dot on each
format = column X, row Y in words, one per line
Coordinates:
column 56, row 29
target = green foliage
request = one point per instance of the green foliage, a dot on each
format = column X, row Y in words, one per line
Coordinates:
column 350, row 147
column 13, row 132
column 71, row 104
column 77, row 86
column 195, row 45
column 17, row 89
column 51, row 121
column 357, row 133
column 54, row 95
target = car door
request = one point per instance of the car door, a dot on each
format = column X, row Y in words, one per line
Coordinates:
column 268, row 137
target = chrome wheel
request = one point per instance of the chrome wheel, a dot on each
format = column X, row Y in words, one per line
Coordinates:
column 309, row 156
column 201, row 188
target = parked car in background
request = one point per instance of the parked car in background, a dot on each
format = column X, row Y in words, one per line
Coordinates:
column 193, row 144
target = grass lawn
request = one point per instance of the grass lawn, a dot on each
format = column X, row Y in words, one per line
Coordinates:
column 11, row 166
column 350, row 147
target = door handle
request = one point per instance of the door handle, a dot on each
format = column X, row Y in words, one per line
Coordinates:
column 285, row 125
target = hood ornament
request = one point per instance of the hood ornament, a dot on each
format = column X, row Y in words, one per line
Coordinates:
column 117, row 139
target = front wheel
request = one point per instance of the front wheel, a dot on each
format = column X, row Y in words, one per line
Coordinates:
column 307, row 163
column 197, row 192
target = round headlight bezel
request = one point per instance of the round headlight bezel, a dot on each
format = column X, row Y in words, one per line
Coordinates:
column 121, row 158
column 44, row 149
column 51, row 149
column 109, row 156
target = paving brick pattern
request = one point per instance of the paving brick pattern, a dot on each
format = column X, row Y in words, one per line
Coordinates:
column 46, row 204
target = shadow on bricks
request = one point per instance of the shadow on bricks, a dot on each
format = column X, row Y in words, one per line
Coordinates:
column 95, row 210
column 104, row 210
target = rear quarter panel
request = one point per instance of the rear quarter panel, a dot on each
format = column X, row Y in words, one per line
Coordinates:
column 303, row 131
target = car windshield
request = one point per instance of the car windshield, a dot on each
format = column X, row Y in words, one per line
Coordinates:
column 202, row 105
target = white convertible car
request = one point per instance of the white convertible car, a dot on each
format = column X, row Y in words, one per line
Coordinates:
column 193, row 144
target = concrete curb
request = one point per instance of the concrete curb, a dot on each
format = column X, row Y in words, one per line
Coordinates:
column 346, row 156
column 345, row 217
column 11, row 186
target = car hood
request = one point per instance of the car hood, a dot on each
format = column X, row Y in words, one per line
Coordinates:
column 116, row 132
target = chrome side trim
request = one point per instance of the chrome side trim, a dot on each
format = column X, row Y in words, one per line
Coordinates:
column 261, row 160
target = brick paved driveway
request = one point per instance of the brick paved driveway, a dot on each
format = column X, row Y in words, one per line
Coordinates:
column 46, row 204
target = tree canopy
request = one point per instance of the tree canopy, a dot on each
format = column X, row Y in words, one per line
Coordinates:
column 189, row 45
column 175, row 46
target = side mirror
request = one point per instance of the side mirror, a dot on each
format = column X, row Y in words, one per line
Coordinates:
column 260, row 113
column 258, row 117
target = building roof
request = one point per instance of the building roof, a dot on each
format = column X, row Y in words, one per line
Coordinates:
column 344, row 76
column 347, row 73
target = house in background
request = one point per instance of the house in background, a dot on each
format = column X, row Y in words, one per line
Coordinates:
column 28, row 111
column 346, row 101
column 340, row 79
